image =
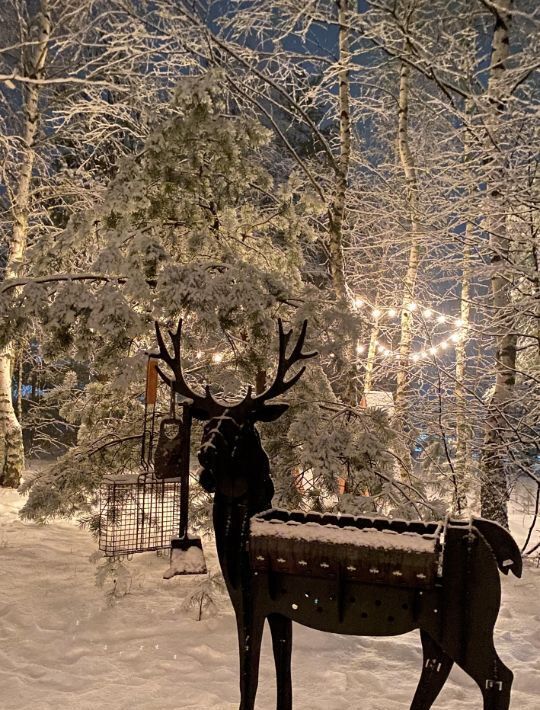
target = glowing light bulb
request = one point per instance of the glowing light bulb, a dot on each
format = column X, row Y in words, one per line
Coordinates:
column 433, row 350
column 360, row 349
column 411, row 307
column 459, row 322
column 376, row 313
column 392, row 313
column 358, row 303
column 427, row 313
column 199, row 354
column 217, row 357
column 455, row 337
column 415, row 357
column 441, row 318
column 443, row 345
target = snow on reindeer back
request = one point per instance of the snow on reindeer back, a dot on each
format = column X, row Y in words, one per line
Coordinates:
column 332, row 534
column 309, row 548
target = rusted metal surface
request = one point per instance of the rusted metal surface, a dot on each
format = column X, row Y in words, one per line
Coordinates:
column 138, row 514
column 169, row 449
column 151, row 381
column 357, row 555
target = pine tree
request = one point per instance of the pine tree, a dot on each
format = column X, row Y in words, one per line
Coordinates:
column 194, row 225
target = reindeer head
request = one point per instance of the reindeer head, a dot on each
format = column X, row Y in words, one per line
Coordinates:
column 232, row 459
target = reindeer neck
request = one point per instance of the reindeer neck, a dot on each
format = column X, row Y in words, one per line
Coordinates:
column 231, row 515
column 231, row 518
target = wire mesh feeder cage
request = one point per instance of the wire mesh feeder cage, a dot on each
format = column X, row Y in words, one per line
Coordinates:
column 138, row 514
column 149, row 511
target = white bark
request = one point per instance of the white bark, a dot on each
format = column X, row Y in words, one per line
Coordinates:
column 337, row 209
column 11, row 448
column 463, row 430
column 409, row 285
column 463, row 433
column 371, row 355
column 494, row 493
column 11, row 442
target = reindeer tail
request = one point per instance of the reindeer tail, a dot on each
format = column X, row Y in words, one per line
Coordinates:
column 502, row 544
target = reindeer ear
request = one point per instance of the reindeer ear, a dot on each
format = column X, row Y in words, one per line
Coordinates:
column 269, row 412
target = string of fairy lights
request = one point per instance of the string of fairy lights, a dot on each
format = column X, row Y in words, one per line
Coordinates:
column 216, row 358
column 384, row 315
column 380, row 315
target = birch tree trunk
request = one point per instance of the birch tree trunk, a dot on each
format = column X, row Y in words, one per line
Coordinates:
column 463, row 433
column 463, row 430
column 11, row 441
column 493, row 484
column 371, row 355
column 409, row 285
column 337, row 208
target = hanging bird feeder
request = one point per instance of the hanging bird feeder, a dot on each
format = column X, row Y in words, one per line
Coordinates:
column 187, row 555
column 147, row 511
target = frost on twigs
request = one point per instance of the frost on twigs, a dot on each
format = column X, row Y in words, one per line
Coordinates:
column 114, row 578
column 202, row 601
column 200, row 224
column 207, row 222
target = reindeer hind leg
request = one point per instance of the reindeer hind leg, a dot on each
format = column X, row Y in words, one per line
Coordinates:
column 436, row 666
column 493, row 677
column 281, row 629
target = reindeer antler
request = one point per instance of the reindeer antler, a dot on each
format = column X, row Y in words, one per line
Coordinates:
column 279, row 386
column 178, row 381
column 207, row 402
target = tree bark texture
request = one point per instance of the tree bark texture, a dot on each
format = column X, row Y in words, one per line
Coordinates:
column 493, row 484
column 11, row 441
column 409, row 285
column 463, row 430
column 337, row 208
column 371, row 355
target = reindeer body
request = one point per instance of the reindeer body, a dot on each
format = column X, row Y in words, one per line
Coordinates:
column 455, row 612
column 456, row 616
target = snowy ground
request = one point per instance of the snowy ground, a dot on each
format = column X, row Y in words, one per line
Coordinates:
column 62, row 645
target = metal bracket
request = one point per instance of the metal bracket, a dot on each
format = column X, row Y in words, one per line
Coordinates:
column 490, row 684
column 433, row 664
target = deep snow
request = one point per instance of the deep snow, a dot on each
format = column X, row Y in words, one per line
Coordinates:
column 63, row 646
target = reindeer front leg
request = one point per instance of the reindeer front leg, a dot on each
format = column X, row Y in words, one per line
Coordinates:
column 281, row 629
column 250, row 630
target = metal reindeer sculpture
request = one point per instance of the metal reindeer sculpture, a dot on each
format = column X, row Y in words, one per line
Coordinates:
column 345, row 574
